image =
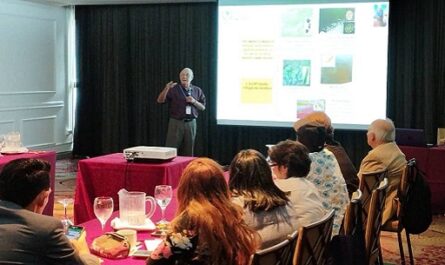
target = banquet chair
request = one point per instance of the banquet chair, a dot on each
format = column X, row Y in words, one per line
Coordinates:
column 353, row 213
column 369, row 181
column 313, row 242
column 279, row 254
column 373, row 226
column 396, row 226
column 348, row 247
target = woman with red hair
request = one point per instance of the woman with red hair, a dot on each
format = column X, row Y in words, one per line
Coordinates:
column 208, row 227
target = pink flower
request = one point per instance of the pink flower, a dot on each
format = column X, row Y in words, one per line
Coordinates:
column 162, row 251
column 167, row 252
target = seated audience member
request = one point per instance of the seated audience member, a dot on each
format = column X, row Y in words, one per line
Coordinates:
column 266, row 207
column 292, row 164
column 384, row 154
column 27, row 236
column 208, row 227
column 325, row 172
column 347, row 168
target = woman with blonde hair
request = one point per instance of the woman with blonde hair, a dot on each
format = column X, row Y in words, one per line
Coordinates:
column 208, row 227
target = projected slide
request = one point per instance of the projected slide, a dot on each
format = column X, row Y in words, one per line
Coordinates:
column 279, row 62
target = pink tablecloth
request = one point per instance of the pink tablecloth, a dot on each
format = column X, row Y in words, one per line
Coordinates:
column 106, row 175
column 94, row 230
column 49, row 156
column 432, row 162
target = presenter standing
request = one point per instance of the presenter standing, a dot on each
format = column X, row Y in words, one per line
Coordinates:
column 184, row 102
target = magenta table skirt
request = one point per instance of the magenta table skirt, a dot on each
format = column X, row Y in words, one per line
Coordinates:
column 432, row 162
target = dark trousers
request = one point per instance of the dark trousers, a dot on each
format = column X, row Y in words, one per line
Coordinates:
column 181, row 134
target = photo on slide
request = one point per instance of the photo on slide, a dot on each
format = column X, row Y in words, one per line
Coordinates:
column 337, row 20
column 336, row 69
column 380, row 15
column 297, row 22
column 304, row 107
column 296, row 73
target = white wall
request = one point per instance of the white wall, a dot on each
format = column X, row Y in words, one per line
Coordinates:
column 33, row 74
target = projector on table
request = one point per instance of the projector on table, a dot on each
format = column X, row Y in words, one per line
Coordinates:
column 149, row 154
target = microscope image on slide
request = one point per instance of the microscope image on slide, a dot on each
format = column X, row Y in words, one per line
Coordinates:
column 336, row 69
column 296, row 73
column 337, row 20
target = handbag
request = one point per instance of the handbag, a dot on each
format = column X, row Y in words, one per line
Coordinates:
column 111, row 246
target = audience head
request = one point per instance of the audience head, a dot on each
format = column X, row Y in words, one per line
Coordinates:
column 313, row 136
column 205, row 207
column 251, row 177
column 186, row 77
column 291, row 158
column 381, row 131
column 202, row 180
column 26, row 182
column 319, row 117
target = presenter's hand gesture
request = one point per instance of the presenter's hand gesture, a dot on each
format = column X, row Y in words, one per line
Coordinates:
column 190, row 99
column 170, row 84
column 163, row 94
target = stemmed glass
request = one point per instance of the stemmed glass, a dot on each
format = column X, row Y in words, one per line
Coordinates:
column 103, row 208
column 163, row 196
column 66, row 222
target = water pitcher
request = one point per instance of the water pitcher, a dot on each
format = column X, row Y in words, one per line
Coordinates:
column 132, row 207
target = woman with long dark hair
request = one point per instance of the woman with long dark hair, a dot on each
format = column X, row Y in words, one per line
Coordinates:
column 267, row 209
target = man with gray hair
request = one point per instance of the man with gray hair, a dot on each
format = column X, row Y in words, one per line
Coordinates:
column 385, row 154
column 185, row 100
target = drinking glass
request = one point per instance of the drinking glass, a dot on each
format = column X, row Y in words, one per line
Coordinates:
column 103, row 208
column 66, row 222
column 163, row 196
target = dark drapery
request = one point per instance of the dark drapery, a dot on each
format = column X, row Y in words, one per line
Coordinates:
column 127, row 53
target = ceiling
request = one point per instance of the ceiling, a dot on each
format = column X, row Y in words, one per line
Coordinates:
column 112, row 2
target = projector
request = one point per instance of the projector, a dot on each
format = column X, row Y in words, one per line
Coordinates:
column 149, row 153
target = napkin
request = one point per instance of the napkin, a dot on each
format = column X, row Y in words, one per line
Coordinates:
column 116, row 223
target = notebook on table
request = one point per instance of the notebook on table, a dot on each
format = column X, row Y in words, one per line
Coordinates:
column 410, row 137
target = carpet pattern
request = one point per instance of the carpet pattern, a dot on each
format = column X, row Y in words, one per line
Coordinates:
column 66, row 170
column 428, row 247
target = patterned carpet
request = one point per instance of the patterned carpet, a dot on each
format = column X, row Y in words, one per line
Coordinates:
column 428, row 247
column 66, row 170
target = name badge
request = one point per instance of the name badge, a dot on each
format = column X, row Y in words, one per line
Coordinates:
column 188, row 110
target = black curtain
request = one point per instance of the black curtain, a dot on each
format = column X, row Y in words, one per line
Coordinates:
column 126, row 54
column 416, row 69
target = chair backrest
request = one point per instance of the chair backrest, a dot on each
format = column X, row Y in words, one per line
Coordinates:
column 369, row 181
column 374, row 222
column 353, row 213
column 408, row 177
column 313, row 241
column 279, row 254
